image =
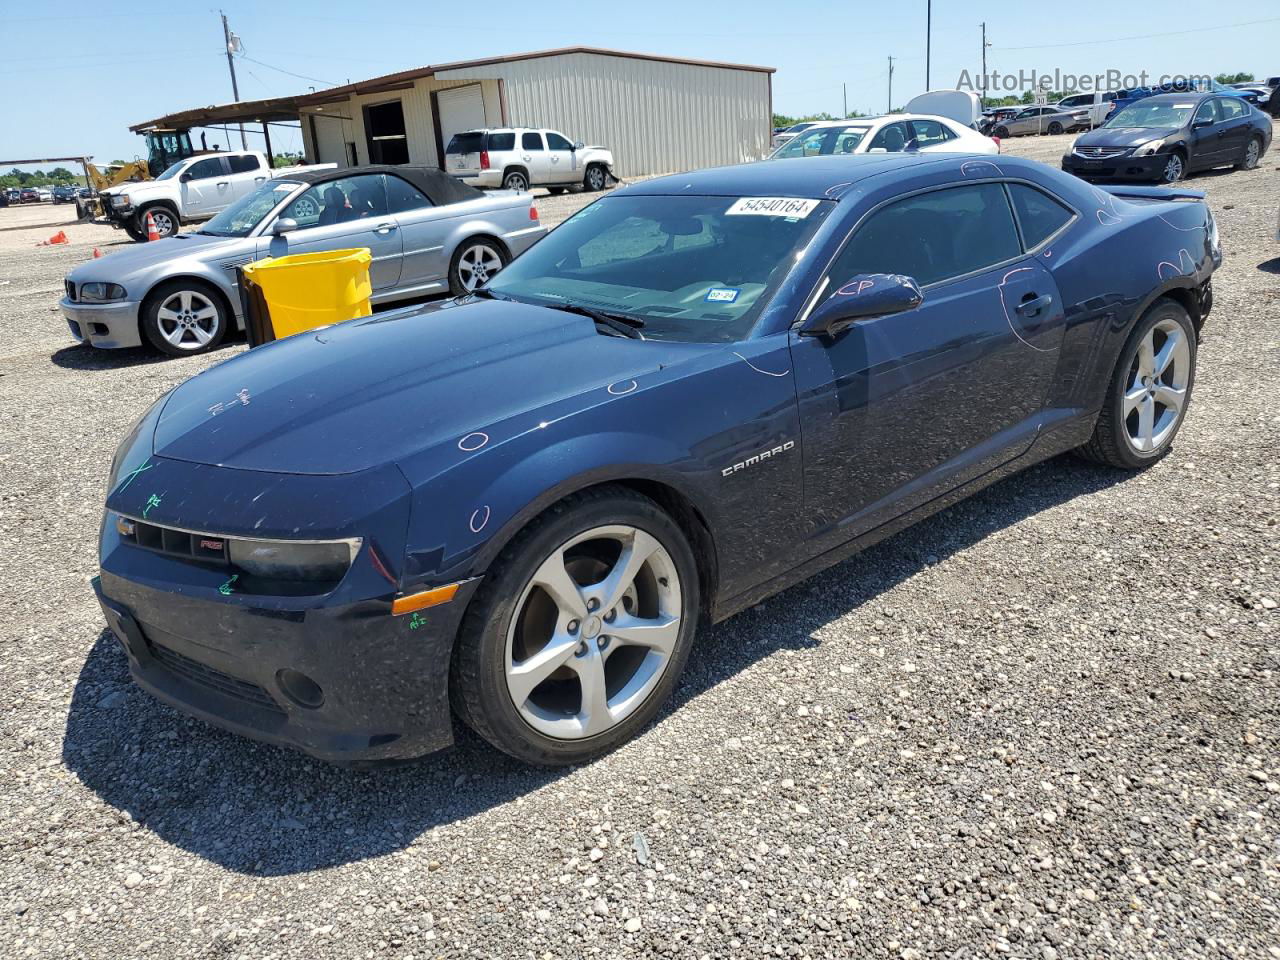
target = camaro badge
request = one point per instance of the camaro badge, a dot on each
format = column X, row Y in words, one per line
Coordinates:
column 763, row 455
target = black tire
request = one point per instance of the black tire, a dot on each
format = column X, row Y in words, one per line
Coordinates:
column 460, row 281
column 1055, row 128
column 1110, row 441
column 167, row 222
column 516, row 179
column 596, row 178
column 555, row 191
column 166, row 335
column 133, row 233
column 1168, row 173
column 1002, row 132
column 477, row 683
column 1248, row 162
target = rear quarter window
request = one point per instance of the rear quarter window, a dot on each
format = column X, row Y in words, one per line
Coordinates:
column 502, row 141
column 1039, row 215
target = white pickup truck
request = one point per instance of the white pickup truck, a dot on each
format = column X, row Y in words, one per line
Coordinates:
column 192, row 189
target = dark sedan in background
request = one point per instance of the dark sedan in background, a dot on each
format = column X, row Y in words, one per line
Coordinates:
column 1164, row 138
column 692, row 394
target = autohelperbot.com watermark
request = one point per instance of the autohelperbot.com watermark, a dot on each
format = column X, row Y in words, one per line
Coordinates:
column 993, row 81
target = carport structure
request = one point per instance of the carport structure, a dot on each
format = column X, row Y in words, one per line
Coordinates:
column 281, row 111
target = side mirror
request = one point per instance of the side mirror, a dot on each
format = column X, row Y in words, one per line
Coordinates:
column 1200, row 122
column 185, row 178
column 866, row 295
column 579, row 145
column 283, row 225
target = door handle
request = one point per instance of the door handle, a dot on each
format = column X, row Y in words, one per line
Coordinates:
column 1033, row 306
column 223, row 183
column 384, row 228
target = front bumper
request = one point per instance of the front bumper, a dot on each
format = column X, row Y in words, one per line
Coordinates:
column 1116, row 168
column 107, row 325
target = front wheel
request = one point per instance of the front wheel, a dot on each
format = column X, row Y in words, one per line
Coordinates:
column 166, row 221
column 184, row 317
column 1149, row 391
column 474, row 264
column 1055, row 128
column 580, row 631
column 1002, row 133
column 1252, row 153
column 1175, row 168
column 595, row 178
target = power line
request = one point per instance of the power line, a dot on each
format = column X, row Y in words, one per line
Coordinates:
column 1143, row 36
column 300, row 76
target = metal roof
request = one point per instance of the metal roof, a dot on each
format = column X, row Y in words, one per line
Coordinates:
column 274, row 110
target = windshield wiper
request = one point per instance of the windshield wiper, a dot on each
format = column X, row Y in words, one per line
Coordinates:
column 620, row 323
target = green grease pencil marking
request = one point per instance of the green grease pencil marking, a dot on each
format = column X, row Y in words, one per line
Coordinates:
column 225, row 589
column 146, row 465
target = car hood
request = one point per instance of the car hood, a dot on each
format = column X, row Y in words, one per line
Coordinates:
column 1124, row 136
column 141, row 256
column 377, row 390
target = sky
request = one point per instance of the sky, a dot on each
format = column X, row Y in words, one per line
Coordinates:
column 75, row 81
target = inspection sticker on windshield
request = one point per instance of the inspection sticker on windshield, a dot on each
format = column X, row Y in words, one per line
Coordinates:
column 721, row 295
column 789, row 207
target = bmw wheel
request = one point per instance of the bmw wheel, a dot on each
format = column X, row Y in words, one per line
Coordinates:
column 596, row 178
column 580, row 631
column 474, row 264
column 1149, row 392
column 1175, row 168
column 1252, row 153
column 184, row 317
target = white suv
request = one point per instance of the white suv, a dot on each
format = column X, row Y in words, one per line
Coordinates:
column 517, row 158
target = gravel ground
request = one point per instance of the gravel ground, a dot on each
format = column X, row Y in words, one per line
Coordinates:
column 1041, row 724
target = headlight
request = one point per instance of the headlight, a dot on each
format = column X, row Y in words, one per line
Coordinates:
column 120, row 200
column 1147, row 149
column 1213, row 234
column 101, row 292
column 293, row 560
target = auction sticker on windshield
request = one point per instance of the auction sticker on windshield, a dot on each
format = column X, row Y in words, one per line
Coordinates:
column 790, row 207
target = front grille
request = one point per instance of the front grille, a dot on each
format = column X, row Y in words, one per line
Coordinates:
column 207, row 676
column 1100, row 153
column 179, row 543
column 71, row 290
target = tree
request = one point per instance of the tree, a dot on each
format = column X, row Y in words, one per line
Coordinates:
column 1230, row 78
column 286, row 159
column 61, row 174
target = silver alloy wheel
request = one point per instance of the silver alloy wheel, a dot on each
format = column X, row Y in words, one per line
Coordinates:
column 516, row 181
column 1173, row 168
column 477, row 265
column 188, row 319
column 1157, row 390
column 1251, row 154
column 595, row 179
column 164, row 221
column 593, row 632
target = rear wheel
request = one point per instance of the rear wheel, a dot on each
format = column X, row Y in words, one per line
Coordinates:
column 475, row 263
column 184, row 317
column 1149, row 391
column 1175, row 168
column 515, row 180
column 1055, row 128
column 1252, row 153
column 580, row 631
column 1002, row 132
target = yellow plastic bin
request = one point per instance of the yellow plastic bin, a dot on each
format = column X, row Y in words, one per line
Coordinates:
column 306, row 290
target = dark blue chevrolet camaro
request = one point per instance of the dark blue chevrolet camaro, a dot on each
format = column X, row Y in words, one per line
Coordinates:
column 692, row 394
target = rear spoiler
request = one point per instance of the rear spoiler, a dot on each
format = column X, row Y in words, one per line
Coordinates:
column 1154, row 193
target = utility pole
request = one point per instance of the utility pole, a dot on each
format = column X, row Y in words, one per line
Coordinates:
column 231, row 64
column 983, row 95
column 890, row 109
column 846, row 100
column 928, row 42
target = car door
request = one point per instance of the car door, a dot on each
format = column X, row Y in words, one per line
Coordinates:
column 423, row 227
column 1236, row 128
column 346, row 213
column 202, row 184
column 892, row 138
column 1205, row 144
column 896, row 410
column 560, row 154
column 534, row 154
column 247, row 174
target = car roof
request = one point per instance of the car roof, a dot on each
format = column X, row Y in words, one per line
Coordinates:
column 1174, row 97
column 434, row 182
column 807, row 177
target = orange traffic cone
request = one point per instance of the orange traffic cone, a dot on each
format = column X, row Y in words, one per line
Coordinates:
column 152, row 232
column 96, row 253
column 59, row 237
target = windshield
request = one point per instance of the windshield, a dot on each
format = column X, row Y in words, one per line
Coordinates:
column 1144, row 113
column 822, row 141
column 246, row 213
column 696, row 269
column 172, row 171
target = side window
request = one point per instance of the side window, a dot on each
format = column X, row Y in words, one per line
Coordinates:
column 933, row 236
column 1109, row 97
column 892, row 138
column 557, row 142
column 1206, row 112
column 1232, row 109
column 340, row 201
column 1079, row 100
column 1039, row 215
column 204, row 169
column 930, row 132
column 402, row 196
column 244, row 163
column 807, row 144
column 531, row 141
column 501, row 141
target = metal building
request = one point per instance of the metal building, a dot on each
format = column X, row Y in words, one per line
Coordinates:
column 657, row 114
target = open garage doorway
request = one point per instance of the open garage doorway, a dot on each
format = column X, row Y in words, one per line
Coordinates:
column 384, row 132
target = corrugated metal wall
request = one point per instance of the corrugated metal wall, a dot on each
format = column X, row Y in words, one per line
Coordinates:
column 656, row 117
